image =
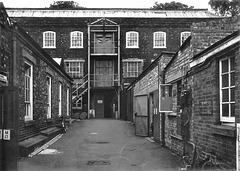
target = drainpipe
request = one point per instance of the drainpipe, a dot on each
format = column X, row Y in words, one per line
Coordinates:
column 161, row 80
column 89, row 71
column 119, row 77
column 14, row 62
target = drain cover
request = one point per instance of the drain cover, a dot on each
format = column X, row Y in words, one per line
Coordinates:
column 98, row 162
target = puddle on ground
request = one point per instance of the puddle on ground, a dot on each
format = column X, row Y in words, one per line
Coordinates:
column 93, row 133
column 50, row 151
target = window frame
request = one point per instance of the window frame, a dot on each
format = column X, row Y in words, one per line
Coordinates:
column 68, row 102
column 49, row 97
column 181, row 36
column 60, row 99
column 81, row 66
column 75, row 104
column 127, row 70
column 164, row 39
column 28, row 104
column 226, row 119
column 129, row 39
column 72, row 35
column 44, row 39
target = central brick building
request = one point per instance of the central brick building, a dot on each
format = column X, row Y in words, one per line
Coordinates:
column 104, row 50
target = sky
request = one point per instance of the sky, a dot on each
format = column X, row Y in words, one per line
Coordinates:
column 203, row 4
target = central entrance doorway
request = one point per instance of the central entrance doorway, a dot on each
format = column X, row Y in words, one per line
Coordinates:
column 105, row 102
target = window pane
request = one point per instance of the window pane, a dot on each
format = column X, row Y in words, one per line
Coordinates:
column 225, row 80
column 232, row 94
column 225, row 110
column 232, row 110
column 224, row 66
column 225, row 95
column 232, row 64
column 232, row 78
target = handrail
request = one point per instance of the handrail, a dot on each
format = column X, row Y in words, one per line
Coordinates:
column 81, row 84
column 80, row 87
column 80, row 94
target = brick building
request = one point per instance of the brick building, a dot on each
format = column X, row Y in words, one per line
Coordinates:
column 41, row 88
column 200, row 83
column 194, row 73
column 106, row 49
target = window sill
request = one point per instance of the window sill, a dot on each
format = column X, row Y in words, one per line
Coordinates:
column 76, row 47
column 132, row 47
column 172, row 114
column 49, row 47
column 29, row 123
column 163, row 47
column 229, row 131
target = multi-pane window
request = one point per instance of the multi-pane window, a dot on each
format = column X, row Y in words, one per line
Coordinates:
column 132, row 68
column 184, row 36
column 28, row 91
column 74, row 68
column 78, row 103
column 159, row 40
column 227, row 90
column 49, row 39
column 76, row 39
column 49, row 97
column 132, row 39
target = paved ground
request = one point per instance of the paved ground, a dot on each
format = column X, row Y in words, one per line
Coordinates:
column 101, row 145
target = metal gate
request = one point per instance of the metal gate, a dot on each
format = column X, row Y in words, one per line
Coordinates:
column 9, row 128
column 141, row 116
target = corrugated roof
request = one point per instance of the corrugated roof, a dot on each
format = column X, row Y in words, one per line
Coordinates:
column 110, row 13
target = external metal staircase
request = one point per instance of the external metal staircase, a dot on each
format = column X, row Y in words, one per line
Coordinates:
column 80, row 90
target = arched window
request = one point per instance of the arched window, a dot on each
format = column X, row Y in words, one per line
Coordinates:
column 76, row 39
column 184, row 36
column 49, row 39
column 159, row 39
column 132, row 39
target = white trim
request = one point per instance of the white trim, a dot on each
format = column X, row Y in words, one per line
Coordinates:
column 128, row 39
column 111, row 13
column 214, row 51
column 49, row 107
column 60, row 100
column 225, row 119
column 74, row 60
column 54, row 37
column 68, row 101
column 30, row 117
column 132, row 60
column 181, row 36
column 81, row 39
column 164, row 39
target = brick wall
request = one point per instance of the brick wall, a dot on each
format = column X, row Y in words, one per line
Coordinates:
column 146, row 27
column 205, row 34
column 41, row 69
column 5, row 58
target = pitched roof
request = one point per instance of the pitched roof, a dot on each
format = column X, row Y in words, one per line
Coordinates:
column 109, row 13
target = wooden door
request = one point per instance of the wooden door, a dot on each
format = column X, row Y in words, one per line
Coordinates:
column 104, row 74
column 141, row 118
column 99, row 107
column 104, row 43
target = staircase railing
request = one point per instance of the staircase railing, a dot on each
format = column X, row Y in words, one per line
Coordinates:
column 81, row 86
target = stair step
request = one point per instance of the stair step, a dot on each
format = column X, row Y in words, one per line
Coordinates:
column 51, row 132
column 29, row 145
